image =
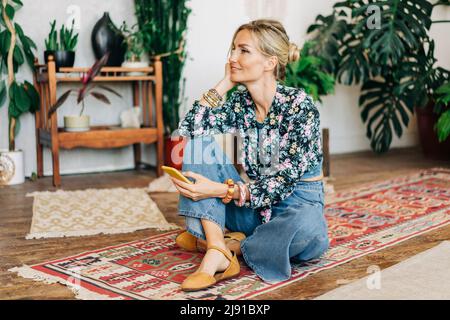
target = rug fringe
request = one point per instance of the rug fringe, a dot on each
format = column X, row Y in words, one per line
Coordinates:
column 80, row 293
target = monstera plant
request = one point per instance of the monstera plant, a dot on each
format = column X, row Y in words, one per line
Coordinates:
column 385, row 47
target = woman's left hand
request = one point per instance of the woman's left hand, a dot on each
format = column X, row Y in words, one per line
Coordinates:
column 203, row 187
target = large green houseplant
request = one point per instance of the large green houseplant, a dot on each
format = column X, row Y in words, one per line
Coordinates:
column 385, row 47
column 164, row 25
column 15, row 49
column 308, row 73
column 443, row 106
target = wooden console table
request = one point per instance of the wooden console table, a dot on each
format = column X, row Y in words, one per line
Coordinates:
column 147, row 92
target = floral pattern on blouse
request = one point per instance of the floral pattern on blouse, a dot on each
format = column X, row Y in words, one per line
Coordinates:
column 288, row 143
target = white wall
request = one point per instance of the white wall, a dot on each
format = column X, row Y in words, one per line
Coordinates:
column 211, row 26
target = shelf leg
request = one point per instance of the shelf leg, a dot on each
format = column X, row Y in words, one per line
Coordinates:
column 55, row 158
column 40, row 160
column 160, row 155
column 137, row 155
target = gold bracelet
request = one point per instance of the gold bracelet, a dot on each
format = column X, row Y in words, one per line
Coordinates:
column 230, row 192
column 210, row 100
column 213, row 98
column 215, row 94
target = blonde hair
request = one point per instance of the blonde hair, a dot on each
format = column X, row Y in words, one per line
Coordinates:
column 272, row 41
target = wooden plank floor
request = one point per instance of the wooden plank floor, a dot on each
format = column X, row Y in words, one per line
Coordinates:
column 348, row 170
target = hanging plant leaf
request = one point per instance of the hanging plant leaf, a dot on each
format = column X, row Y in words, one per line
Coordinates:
column 83, row 91
column 100, row 96
column 13, row 110
column 18, row 2
column 59, row 102
column 110, row 90
column 95, row 69
column 5, row 42
column 10, row 11
column 35, row 102
column 20, row 98
column 18, row 56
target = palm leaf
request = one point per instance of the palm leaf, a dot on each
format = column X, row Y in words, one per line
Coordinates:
column 382, row 111
column 328, row 34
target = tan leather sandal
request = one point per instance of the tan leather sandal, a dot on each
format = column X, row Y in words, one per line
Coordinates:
column 202, row 280
column 189, row 242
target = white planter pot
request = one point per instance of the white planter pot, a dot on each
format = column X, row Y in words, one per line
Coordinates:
column 11, row 167
column 76, row 123
column 135, row 64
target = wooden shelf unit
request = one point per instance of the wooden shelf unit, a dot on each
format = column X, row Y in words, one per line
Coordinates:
column 147, row 93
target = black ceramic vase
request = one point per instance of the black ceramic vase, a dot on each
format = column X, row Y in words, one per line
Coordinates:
column 62, row 59
column 106, row 37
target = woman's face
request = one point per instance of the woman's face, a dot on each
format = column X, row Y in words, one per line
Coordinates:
column 246, row 62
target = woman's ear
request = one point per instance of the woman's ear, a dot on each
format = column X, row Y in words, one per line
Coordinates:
column 271, row 63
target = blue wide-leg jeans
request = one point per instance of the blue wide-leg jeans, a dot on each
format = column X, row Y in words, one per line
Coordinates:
column 296, row 232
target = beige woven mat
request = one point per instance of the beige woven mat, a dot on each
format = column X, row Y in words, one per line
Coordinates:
column 94, row 211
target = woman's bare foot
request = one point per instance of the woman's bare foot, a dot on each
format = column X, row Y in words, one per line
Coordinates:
column 232, row 245
column 214, row 261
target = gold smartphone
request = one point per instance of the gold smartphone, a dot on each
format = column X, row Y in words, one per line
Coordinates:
column 176, row 174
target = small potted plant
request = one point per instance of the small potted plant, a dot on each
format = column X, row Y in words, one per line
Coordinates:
column 82, row 122
column 64, row 50
column 134, row 40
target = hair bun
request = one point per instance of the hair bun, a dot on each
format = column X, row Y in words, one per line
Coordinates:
column 294, row 52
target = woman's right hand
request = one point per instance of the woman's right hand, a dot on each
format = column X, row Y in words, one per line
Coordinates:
column 227, row 79
column 224, row 85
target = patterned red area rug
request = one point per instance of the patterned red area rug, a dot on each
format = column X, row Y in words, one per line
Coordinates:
column 362, row 221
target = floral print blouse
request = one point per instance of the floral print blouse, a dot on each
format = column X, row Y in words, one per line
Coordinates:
column 288, row 140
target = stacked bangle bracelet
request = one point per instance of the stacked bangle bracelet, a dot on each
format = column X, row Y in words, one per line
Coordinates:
column 230, row 191
column 242, row 194
column 212, row 97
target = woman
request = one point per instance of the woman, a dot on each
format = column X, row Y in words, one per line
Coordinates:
column 278, row 215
